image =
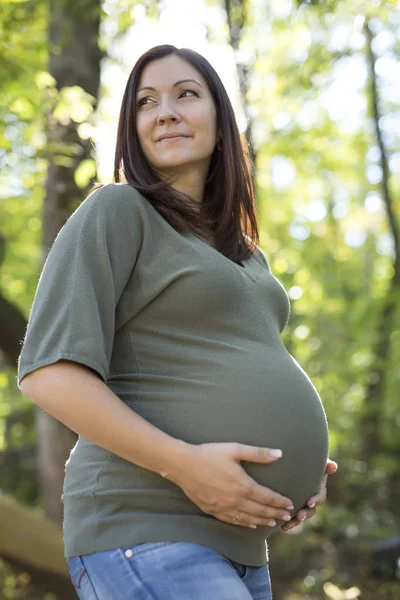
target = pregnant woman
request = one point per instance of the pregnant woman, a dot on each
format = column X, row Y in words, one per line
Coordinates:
column 155, row 335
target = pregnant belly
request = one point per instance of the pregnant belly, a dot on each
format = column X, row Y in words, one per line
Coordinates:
column 267, row 400
column 293, row 419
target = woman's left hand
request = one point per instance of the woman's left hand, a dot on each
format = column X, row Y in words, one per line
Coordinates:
column 314, row 501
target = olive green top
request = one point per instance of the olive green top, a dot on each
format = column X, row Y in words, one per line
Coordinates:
column 189, row 340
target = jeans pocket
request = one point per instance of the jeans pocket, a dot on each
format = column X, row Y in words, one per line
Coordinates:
column 76, row 570
column 80, row 579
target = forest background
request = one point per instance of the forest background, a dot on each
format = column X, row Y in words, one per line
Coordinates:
column 316, row 89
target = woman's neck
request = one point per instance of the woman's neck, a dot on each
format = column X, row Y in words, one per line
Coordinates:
column 188, row 181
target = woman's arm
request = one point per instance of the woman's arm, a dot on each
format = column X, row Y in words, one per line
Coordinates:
column 76, row 396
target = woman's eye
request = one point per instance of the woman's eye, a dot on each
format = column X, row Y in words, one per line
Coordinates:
column 142, row 102
column 190, row 91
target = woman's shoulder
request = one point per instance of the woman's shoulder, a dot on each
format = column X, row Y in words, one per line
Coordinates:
column 120, row 196
column 111, row 204
column 114, row 209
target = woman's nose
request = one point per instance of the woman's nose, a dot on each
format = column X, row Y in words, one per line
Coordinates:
column 167, row 113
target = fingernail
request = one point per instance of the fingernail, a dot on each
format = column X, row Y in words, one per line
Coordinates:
column 291, row 507
column 253, row 526
column 287, row 518
column 271, row 523
column 312, row 505
column 277, row 453
column 302, row 518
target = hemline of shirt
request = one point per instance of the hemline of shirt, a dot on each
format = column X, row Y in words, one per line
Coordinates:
column 183, row 528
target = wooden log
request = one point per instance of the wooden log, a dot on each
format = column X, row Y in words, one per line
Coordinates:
column 29, row 539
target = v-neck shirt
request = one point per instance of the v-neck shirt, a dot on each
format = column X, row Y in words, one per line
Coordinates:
column 189, row 340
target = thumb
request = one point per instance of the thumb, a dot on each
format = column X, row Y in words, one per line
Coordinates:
column 331, row 467
column 257, row 454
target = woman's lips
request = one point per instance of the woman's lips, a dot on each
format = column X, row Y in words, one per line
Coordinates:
column 173, row 139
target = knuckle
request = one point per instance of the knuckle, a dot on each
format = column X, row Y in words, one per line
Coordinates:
column 236, row 447
column 232, row 502
column 269, row 497
column 244, row 488
column 253, row 486
column 212, row 503
column 271, row 502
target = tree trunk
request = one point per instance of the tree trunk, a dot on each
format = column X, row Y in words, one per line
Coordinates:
column 12, row 330
column 74, row 61
column 236, row 18
column 375, row 394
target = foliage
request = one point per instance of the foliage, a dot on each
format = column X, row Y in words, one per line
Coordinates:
column 15, row 584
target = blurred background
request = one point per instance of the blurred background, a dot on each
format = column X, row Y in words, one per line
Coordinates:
column 316, row 90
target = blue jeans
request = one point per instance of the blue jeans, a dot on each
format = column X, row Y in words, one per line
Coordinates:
column 166, row 571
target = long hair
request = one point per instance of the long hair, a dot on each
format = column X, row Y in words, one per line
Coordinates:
column 228, row 208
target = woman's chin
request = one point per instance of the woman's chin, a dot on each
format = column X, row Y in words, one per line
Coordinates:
column 170, row 165
column 177, row 160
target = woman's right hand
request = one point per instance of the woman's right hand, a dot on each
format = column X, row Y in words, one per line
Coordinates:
column 213, row 478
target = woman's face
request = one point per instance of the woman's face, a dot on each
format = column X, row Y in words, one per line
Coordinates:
column 173, row 100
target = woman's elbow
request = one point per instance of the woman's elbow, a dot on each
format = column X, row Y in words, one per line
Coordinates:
column 33, row 381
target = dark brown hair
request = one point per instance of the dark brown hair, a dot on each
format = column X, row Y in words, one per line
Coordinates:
column 228, row 209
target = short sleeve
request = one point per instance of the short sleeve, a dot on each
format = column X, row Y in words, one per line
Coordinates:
column 89, row 264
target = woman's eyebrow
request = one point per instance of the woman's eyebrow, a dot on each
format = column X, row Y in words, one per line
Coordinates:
column 148, row 87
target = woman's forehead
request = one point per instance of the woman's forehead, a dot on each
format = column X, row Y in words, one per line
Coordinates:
column 167, row 72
